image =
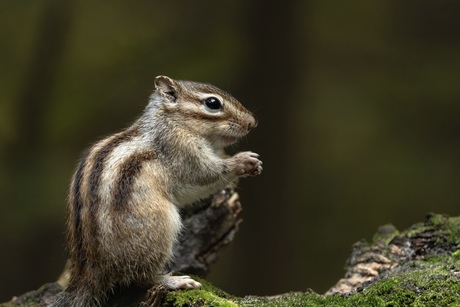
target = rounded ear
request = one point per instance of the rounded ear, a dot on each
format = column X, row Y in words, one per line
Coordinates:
column 166, row 86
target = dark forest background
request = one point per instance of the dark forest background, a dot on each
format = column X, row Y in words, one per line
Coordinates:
column 358, row 105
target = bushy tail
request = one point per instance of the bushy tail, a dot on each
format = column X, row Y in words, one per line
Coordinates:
column 76, row 299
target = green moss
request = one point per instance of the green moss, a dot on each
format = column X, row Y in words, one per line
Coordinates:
column 207, row 286
column 207, row 296
column 197, row 298
column 416, row 229
column 292, row 299
column 30, row 303
column 456, row 255
column 385, row 234
column 452, row 226
column 427, row 282
column 433, row 281
column 430, row 281
column 436, row 220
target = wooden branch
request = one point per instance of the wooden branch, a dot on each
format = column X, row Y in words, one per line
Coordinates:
column 391, row 250
column 209, row 226
column 417, row 267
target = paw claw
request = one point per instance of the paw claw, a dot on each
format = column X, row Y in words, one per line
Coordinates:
column 247, row 164
column 179, row 282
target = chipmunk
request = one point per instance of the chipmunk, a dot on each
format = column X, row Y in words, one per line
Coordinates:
column 124, row 200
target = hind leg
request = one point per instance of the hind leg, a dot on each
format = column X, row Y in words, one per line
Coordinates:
column 178, row 282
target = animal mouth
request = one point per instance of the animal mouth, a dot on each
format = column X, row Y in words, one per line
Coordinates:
column 229, row 139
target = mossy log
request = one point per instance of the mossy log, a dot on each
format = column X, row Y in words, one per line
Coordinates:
column 419, row 266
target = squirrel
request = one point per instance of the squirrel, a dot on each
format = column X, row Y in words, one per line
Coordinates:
column 124, row 199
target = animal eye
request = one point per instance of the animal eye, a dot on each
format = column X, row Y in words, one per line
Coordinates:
column 213, row 103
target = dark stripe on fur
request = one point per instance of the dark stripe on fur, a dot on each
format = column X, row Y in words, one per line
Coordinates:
column 193, row 114
column 95, row 180
column 128, row 173
column 75, row 222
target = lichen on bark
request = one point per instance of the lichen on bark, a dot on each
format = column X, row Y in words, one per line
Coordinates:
column 419, row 266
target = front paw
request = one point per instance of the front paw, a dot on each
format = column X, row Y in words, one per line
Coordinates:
column 247, row 164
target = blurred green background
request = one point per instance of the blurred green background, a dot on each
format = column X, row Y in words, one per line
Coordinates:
column 358, row 105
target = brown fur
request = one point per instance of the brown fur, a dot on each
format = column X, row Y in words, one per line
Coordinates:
column 125, row 195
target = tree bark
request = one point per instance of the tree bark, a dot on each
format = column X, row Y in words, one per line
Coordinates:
column 419, row 266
